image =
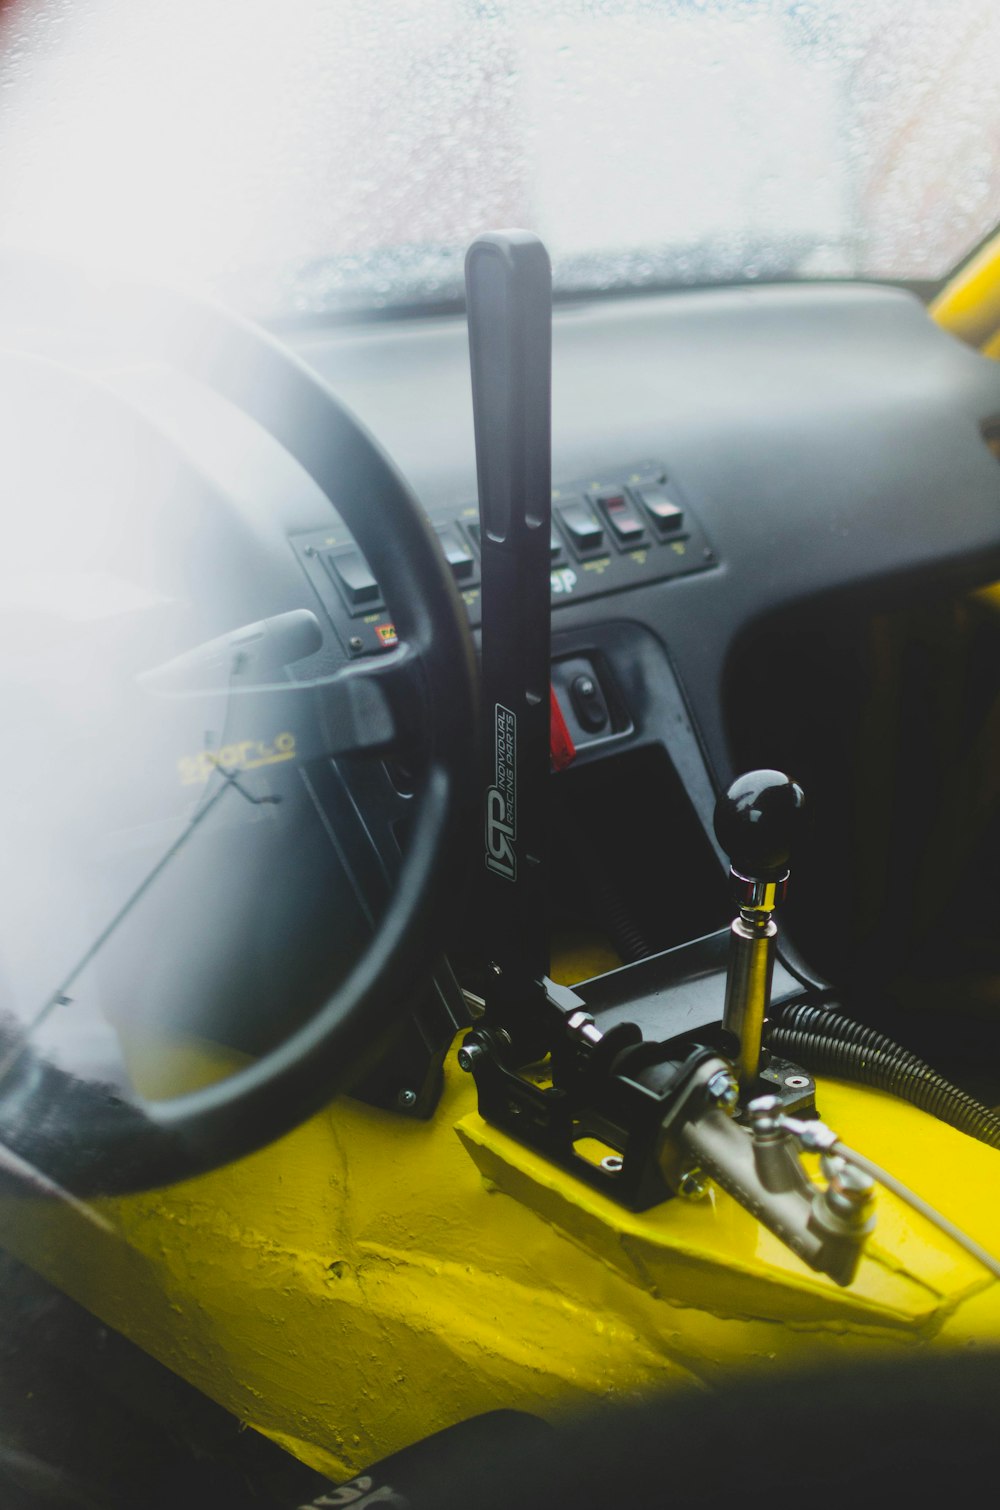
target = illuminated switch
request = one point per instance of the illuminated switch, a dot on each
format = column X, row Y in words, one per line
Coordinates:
column 666, row 514
column 626, row 525
column 582, row 526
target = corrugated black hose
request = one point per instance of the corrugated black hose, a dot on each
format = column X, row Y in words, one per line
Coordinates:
column 609, row 907
column 827, row 1043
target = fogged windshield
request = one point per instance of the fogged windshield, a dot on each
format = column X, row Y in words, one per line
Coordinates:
column 311, row 156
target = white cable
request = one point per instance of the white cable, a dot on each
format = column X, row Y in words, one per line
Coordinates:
column 930, row 1213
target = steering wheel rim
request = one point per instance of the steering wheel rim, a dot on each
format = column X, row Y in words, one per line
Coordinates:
column 121, row 1147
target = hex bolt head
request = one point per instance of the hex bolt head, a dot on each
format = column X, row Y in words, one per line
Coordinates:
column 723, row 1089
column 582, row 1026
column 765, row 1118
column 850, row 1190
column 692, row 1185
column 406, row 1099
column 764, row 1106
column 468, row 1054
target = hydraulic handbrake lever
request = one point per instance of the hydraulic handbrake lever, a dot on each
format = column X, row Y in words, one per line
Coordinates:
column 670, row 1114
column 509, row 292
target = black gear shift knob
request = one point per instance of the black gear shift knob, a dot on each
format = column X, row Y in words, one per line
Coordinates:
column 757, row 821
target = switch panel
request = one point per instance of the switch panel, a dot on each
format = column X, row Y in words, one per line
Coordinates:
column 590, row 701
column 632, row 527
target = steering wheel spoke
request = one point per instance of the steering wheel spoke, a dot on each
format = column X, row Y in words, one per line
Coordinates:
column 374, row 706
column 369, row 707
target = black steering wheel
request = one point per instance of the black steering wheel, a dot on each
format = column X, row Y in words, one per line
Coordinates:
column 95, row 1143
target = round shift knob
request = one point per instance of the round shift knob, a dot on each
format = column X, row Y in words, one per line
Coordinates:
column 756, row 823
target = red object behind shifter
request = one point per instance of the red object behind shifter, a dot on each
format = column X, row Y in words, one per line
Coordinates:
column 561, row 746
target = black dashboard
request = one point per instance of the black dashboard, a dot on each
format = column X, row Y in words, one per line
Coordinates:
column 823, row 448
column 823, row 440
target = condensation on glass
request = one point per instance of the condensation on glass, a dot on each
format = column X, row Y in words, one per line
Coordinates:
column 313, row 156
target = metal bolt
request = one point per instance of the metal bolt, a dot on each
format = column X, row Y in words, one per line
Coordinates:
column 612, row 1163
column 814, row 1136
column 765, row 1117
column 495, row 969
column 763, row 1106
column 849, row 1188
column 407, row 1099
column 847, row 1202
column 723, row 1089
column 692, row 1184
column 356, row 642
column 798, row 1082
column 468, row 1054
column 582, row 1025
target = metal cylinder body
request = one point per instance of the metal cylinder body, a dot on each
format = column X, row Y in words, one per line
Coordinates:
column 748, row 988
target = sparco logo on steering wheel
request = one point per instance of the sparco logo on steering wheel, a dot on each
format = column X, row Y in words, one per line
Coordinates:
column 501, row 798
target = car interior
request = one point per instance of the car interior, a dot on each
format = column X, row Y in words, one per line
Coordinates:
column 498, row 960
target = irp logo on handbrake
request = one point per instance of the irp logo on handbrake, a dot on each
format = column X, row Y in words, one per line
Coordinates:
column 501, row 799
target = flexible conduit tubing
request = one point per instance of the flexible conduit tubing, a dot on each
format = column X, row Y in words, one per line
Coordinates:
column 827, row 1043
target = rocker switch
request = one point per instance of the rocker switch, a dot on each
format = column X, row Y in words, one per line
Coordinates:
column 582, row 526
column 667, row 515
column 457, row 553
column 352, row 575
column 588, row 703
column 626, row 526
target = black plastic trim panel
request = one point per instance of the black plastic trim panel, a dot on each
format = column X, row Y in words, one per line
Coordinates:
column 829, row 436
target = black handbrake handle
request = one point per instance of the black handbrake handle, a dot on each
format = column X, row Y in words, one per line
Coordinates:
column 508, row 282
